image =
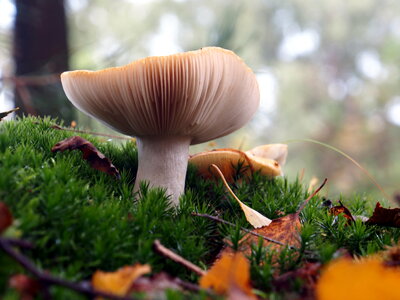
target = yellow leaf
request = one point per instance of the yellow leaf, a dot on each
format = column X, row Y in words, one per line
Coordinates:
column 256, row 219
column 230, row 271
column 367, row 279
column 120, row 281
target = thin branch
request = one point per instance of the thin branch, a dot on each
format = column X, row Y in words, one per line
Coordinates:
column 216, row 219
column 19, row 243
column 48, row 279
column 158, row 247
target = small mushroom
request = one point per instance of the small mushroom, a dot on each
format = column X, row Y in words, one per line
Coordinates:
column 231, row 162
column 168, row 103
column 276, row 152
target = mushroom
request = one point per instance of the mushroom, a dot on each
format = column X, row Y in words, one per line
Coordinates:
column 168, row 103
column 232, row 161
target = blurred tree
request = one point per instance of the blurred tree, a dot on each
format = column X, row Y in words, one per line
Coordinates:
column 40, row 54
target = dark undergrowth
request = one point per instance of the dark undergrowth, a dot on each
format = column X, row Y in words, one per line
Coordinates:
column 81, row 220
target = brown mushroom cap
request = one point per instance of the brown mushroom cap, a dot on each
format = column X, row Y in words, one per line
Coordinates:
column 201, row 94
column 227, row 160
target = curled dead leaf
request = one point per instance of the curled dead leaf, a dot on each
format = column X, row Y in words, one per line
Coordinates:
column 231, row 271
column 120, row 281
column 342, row 210
column 6, row 218
column 385, row 216
column 95, row 158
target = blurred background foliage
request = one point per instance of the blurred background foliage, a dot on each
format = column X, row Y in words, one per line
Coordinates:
column 328, row 70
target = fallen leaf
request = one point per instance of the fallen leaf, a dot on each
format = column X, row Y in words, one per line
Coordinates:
column 281, row 232
column 277, row 152
column 6, row 113
column 96, row 159
column 367, row 279
column 26, row 286
column 342, row 210
column 385, row 216
column 120, row 281
column 232, row 270
column 6, row 218
column 252, row 216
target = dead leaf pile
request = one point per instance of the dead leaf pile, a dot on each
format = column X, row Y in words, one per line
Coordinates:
column 95, row 158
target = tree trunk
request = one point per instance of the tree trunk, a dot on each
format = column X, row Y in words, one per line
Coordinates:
column 40, row 54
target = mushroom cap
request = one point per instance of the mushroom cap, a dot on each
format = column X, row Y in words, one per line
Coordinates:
column 202, row 94
column 228, row 160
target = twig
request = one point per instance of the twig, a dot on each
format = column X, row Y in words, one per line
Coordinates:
column 216, row 219
column 158, row 247
column 47, row 279
column 19, row 243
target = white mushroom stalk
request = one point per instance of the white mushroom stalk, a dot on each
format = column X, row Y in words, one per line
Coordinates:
column 168, row 103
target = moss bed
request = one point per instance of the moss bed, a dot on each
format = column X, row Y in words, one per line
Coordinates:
column 81, row 220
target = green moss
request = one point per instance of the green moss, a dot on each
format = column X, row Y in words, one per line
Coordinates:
column 81, row 220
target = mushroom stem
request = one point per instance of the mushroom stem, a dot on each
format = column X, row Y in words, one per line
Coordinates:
column 163, row 162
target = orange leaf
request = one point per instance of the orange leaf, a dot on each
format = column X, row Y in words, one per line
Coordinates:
column 232, row 270
column 6, row 217
column 367, row 279
column 284, row 230
column 120, row 281
column 96, row 159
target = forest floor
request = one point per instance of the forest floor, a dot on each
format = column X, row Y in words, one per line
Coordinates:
column 68, row 221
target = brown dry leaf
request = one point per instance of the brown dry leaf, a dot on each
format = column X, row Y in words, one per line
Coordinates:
column 284, row 231
column 252, row 216
column 385, row 216
column 96, row 159
column 342, row 210
column 120, row 281
column 6, row 113
column 27, row 287
column 6, row 218
column 232, row 270
column 367, row 279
